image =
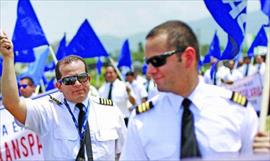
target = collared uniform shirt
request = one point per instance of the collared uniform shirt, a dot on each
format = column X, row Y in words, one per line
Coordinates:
column 119, row 95
column 139, row 91
column 59, row 135
column 233, row 75
column 251, row 70
column 221, row 126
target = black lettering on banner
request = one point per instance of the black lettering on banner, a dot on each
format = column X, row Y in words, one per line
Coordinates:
column 4, row 130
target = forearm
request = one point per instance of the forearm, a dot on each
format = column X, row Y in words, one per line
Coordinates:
column 9, row 84
column 11, row 99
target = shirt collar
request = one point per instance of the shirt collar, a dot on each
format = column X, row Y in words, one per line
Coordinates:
column 72, row 104
column 195, row 97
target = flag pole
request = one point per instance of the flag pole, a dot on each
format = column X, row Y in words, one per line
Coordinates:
column 53, row 54
column 266, row 89
column 115, row 67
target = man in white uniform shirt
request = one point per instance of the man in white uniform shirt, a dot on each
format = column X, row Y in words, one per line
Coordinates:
column 247, row 68
column 138, row 88
column 71, row 124
column 216, row 121
column 118, row 92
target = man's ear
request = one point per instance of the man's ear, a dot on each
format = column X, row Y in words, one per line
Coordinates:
column 89, row 78
column 58, row 85
column 190, row 56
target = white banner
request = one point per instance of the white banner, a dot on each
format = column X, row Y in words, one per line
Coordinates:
column 17, row 143
column 251, row 87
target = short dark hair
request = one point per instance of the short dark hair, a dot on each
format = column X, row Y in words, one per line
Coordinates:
column 131, row 73
column 68, row 60
column 31, row 81
column 180, row 35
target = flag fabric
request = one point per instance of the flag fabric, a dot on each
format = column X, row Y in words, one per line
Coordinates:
column 86, row 43
column 265, row 6
column 125, row 56
column 1, row 64
column 50, row 84
column 99, row 65
column 231, row 17
column 61, row 48
column 260, row 40
column 28, row 33
column 24, row 56
column 36, row 69
column 144, row 68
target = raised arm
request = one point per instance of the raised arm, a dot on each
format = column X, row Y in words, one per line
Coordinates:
column 11, row 99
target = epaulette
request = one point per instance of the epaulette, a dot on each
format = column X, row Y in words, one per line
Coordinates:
column 240, row 99
column 105, row 101
column 146, row 106
column 52, row 99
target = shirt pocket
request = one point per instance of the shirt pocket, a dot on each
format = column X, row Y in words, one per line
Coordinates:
column 103, row 142
column 67, row 138
column 225, row 142
column 162, row 152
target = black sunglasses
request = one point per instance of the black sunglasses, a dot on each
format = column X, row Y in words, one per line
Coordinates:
column 22, row 85
column 160, row 60
column 70, row 80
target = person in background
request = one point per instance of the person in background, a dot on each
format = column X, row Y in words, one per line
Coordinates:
column 138, row 89
column 118, row 92
column 63, row 120
column 189, row 119
column 259, row 65
column 27, row 87
column 232, row 74
column 247, row 68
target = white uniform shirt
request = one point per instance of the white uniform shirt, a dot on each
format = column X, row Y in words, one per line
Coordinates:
column 233, row 75
column 139, row 91
column 119, row 95
column 260, row 68
column 251, row 70
column 59, row 136
column 221, row 126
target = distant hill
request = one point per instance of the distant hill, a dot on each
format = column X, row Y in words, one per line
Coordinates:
column 204, row 28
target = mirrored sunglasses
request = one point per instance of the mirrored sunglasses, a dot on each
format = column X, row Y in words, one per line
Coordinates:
column 71, row 80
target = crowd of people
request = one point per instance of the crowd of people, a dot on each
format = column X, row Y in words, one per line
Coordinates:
column 171, row 115
column 227, row 72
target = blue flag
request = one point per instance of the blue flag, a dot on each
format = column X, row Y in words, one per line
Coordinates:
column 86, row 43
column 28, row 33
column 25, row 56
column 125, row 56
column 36, row 69
column 265, row 6
column 260, row 40
column 1, row 64
column 231, row 17
column 144, row 68
column 50, row 84
column 214, row 49
column 99, row 65
column 61, row 52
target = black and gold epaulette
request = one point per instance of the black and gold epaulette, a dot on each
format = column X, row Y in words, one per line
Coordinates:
column 104, row 101
column 52, row 99
column 146, row 106
column 240, row 99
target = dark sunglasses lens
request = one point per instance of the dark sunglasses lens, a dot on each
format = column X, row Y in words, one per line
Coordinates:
column 157, row 61
column 82, row 77
column 23, row 85
column 69, row 80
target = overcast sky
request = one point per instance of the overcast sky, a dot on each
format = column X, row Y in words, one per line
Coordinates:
column 116, row 18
